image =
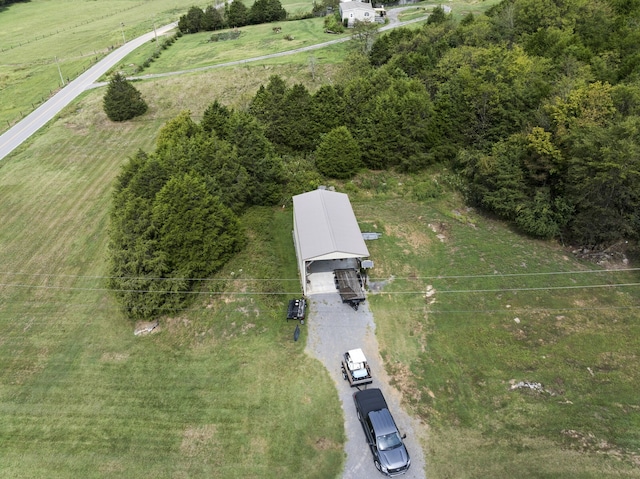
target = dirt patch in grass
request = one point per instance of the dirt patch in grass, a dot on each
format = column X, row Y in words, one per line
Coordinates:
column 259, row 445
column 198, row 440
column 246, row 327
column 31, row 367
column 176, row 325
column 588, row 442
column 326, row 444
column 114, row 357
column 112, row 467
column 416, row 239
column 404, row 381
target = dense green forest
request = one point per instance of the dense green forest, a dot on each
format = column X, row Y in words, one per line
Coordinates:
column 535, row 106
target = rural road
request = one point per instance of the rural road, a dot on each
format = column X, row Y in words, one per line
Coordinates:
column 333, row 328
column 21, row 131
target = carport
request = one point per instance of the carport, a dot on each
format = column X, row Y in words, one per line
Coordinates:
column 327, row 237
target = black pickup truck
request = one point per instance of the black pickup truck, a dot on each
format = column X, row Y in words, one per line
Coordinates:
column 390, row 456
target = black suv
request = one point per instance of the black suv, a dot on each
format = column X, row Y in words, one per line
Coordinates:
column 389, row 454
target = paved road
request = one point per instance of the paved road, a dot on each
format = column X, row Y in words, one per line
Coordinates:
column 22, row 130
column 333, row 329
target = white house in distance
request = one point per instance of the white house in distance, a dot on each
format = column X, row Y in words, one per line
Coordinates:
column 327, row 237
column 355, row 10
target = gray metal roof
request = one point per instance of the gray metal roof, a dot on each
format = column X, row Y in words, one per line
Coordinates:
column 326, row 226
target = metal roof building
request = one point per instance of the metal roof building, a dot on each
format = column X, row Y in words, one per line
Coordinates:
column 324, row 229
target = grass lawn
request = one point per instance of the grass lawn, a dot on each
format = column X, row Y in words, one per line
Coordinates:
column 468, row 308
column 220, row 390
column 465, row 309
column 198, row 50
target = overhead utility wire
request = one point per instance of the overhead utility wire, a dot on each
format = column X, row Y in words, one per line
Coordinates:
column 425, row 309
column 234, row 278
column 259, row 293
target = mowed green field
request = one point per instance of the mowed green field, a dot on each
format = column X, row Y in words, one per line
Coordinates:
column 222, row 390
column 198, row 51
column 44, row 43
column 467, row 309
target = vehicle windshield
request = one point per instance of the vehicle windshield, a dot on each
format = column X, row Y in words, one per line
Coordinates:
column 389, row 441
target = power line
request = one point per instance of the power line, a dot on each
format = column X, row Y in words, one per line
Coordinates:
column 290, row 293
column 234, row 278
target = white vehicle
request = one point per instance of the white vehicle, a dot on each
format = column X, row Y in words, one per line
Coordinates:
column 355, row 368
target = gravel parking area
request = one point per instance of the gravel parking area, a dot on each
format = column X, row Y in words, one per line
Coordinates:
column 333, row 329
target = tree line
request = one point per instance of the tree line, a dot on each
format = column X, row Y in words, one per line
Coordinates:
column 231, row 15
column 535, row 105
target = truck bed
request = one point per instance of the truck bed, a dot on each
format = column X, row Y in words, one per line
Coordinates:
column 349, row 285
column 369, row 400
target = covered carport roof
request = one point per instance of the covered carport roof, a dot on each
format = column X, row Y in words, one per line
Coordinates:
column 326, row 227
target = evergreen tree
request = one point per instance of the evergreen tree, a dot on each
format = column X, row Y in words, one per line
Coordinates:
column 216, row 119
column 197, row 234
column 265, row 11
column 338, row 155
column 327, row 109
column 174, row 133
column 292, row 130
column 122, row 101
column 237, row 14
column 193, row 21
column 257, row 155
column 267, row 107
column 212, row 19
column 438, row 15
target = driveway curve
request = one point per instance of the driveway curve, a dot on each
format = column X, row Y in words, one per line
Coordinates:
column 333, row 329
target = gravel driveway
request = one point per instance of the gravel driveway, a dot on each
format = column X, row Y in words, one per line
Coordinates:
column 333, row 329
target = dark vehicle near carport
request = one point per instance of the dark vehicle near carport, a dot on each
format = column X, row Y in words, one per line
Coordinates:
column 390, row 455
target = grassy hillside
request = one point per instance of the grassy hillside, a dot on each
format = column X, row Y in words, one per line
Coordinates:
column 198, row 51
column 220, row 390
column 42, row 44
column 465, row 310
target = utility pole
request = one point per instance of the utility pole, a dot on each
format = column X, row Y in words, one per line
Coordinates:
column 122, row 30
column 60, row 71
column 155, row 34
